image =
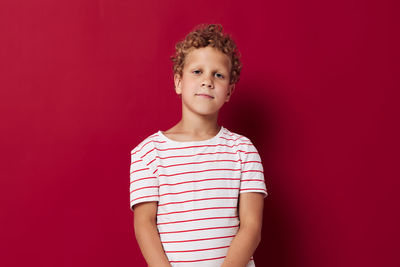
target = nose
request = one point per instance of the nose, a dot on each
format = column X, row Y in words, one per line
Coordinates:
column 208, row 83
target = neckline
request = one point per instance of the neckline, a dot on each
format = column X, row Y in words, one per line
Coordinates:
column 192, row 142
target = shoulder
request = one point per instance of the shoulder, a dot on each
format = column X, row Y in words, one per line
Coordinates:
column 243, row 145
column 145, row 145
column 238, row 139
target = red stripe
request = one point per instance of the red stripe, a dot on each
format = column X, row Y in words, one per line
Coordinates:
column 139, row 170
column 147, row 152
column 195, row 250
column 227, row 139
column 254, row 180
column 216, row 145
column 248, row 152
column 202, row 239
column 259, row 189
column 132, row 153
column 160, row 142
column 133, row 162
column 179, row 173
column 201, row 259
column 251, row 161
column 143, row 197
column 212, row 179
column 198, row 190
column 192, row 155
column 183, row 211
column 156, row 186
column 200, row 199
column 151, row 161
column 199, row 229
column 142, row 179
column 199, row 219
column 198, row 162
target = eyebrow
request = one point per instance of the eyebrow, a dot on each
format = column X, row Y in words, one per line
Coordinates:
column 200, row 67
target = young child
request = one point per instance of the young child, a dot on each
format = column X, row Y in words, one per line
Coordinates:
column 197, row 189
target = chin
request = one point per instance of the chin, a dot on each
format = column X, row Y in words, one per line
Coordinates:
column 207, row 112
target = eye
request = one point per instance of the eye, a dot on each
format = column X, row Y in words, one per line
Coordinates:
column 219, row 75
column 196, row 71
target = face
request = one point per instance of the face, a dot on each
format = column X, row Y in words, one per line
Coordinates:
column 205, row 82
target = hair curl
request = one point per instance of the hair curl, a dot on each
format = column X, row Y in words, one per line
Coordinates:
column 204, row 35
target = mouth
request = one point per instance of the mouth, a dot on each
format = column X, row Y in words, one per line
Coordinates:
column 205, row 95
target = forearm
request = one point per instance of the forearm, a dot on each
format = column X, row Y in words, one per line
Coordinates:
column 150, row 244
column 242, row 247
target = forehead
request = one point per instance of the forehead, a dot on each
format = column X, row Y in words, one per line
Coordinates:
column 208, row 56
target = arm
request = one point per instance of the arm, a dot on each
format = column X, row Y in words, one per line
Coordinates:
column 147, row 234
column 248, row 237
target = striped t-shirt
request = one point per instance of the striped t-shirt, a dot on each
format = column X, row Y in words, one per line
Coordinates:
column 197, row 186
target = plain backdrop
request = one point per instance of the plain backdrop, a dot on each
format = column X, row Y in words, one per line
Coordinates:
column 82, row 82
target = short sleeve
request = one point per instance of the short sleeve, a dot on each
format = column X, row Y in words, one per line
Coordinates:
column 252, row 177
column 143, row 183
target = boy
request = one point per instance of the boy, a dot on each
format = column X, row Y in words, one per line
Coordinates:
column 197, row 189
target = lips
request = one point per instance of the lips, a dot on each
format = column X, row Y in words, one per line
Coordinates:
column 205, row 95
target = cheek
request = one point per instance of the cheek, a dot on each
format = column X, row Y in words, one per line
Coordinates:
column 223, row 86
column 188, row 86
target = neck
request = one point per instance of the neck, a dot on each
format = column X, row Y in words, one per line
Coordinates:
column 199, row 124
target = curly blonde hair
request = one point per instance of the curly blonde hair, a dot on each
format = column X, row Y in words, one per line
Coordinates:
column 205, row 35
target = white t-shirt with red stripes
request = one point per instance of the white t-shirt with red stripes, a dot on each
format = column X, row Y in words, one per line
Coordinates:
column 197, row 186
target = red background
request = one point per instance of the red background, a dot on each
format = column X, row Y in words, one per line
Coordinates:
column 83, row 82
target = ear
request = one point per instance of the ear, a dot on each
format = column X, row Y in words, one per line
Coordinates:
column 231, row 88
column 178, row 82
